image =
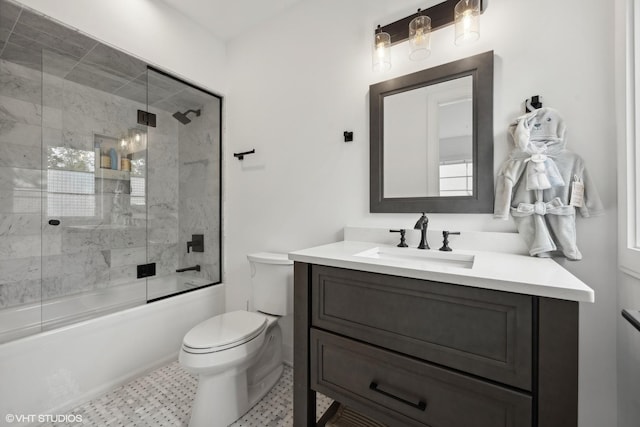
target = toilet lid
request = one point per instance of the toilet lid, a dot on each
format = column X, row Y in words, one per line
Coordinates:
column 225, row 330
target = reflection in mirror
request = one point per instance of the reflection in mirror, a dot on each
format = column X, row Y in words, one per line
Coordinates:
column 432, row 139
column 431, row 129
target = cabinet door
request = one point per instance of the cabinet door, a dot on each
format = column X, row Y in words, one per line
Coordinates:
column 399, row 390
column 483, row 332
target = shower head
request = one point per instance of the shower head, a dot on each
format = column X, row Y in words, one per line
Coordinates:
column 182, row 117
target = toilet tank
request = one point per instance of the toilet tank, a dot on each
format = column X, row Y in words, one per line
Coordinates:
column 272, row 283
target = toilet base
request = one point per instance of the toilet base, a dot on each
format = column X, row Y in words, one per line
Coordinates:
column 232, row 397
column 229, row 392
column 223, row 398
column 258, row 390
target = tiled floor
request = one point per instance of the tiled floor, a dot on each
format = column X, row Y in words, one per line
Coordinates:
column 163, row 399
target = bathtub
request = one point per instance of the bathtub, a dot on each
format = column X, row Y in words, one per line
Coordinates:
column 29, row 319
column 57, row 369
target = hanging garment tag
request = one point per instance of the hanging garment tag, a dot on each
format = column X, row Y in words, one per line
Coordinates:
column 577, row 193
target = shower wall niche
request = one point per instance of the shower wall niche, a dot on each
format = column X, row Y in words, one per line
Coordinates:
column 90, row 198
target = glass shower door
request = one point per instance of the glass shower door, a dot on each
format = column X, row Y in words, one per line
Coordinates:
column 20, row 193
column 94, row 232
column 99, row 212
column 184, row 186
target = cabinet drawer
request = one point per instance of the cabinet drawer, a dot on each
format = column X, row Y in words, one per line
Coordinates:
column 399, row 390
column 483, row 332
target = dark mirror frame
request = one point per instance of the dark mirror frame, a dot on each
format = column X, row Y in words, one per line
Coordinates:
column 480, row 68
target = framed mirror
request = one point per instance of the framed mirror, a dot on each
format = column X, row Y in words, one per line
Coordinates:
column 432, row 139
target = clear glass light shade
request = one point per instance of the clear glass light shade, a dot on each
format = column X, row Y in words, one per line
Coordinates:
column 467, row 21
column 382, row 52
column 420, row 37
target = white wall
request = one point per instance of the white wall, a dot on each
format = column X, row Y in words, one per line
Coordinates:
column 299, row 81
column 406, row 122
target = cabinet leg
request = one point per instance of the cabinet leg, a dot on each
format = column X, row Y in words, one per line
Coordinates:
column 304, row 399
column 557, row 403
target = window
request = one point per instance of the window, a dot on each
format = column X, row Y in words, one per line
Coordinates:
column 456, row 179
column 138, row 182
column 137, row 190
column 628, row 102
column 70, row 183
column 70, row 193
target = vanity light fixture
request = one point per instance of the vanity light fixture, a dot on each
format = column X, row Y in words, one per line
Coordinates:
column 464, row 13
column 381, row 51
column 420, row 37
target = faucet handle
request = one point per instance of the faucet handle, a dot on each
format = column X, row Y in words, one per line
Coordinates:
column 445, row 240
column 403, row 242
column 196, row 244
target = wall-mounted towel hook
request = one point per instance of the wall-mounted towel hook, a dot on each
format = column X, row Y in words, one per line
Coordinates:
column 532, row 103
column 240, row 156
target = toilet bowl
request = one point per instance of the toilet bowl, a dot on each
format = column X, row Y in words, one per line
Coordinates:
column 238, row 355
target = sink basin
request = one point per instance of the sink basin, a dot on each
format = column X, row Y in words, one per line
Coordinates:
column 418, row 258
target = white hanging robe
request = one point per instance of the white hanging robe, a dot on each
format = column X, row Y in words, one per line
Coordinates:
column 535, row 185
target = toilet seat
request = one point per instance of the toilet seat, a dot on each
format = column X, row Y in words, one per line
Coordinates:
column 224, row 331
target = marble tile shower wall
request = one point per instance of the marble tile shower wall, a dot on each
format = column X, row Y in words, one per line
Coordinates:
column 38, row 260
column 199, row 213
column 20, row 184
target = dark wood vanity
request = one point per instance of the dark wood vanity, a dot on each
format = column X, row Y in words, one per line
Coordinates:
column 412, row 352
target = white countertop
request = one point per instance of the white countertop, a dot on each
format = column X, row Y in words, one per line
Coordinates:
column 491, row 270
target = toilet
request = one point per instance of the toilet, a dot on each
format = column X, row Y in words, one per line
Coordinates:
column 237, row 356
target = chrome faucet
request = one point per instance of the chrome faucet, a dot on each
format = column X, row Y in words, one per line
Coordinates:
column 422, row 225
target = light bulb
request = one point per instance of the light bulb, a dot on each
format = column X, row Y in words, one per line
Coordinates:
column 382, row 51
column 420, row 37
column 467, row 21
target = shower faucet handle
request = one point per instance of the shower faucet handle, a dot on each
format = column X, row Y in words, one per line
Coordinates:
column 196, row 244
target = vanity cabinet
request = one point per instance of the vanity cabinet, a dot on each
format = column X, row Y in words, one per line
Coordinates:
column 412, row 352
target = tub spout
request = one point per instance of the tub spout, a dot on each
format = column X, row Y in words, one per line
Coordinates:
column 194, row 268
